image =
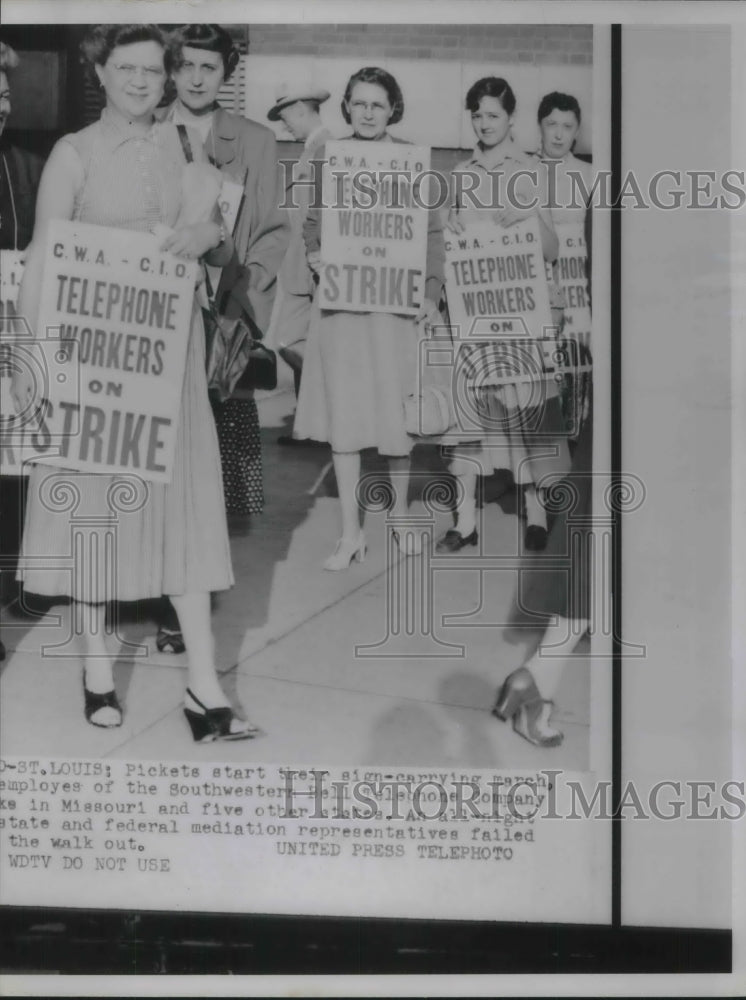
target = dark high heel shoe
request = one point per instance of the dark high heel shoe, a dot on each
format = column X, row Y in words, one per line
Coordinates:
column 454, row 541
column 211, row 724
column 95, row 702
column 535, row 539
column 169, row 640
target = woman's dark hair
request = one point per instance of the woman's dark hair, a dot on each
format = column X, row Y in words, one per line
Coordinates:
column 102, row 39
column 557, row 102
column 209, row 38
column 373, row 74
column 8, row 59
column 491, row 86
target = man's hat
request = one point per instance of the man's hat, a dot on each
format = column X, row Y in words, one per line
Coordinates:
column 287, row 94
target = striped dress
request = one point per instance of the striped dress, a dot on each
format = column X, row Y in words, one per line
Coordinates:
column 523, row 426
column 98, row 537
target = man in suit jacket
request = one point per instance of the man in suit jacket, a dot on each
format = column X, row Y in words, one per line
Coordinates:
column 298, row 108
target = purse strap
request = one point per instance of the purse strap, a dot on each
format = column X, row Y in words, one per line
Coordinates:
column 185, row 143
column 208, row 286
column 189, row 156
column 239, row 295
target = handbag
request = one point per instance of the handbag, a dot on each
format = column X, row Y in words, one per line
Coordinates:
column 227, row 351
column 236, row 358
column 234, row 354
column 261, row 370
column 428, row 412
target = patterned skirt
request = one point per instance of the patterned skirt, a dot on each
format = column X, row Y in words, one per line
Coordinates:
column 237, row 423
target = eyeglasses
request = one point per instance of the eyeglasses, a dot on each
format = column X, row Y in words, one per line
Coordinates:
column 129, row 72
column 363, row 106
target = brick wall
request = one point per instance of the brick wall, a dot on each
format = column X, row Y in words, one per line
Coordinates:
column 512, row 43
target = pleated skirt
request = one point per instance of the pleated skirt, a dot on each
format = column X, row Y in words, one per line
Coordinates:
column 99, row 538
column 358, row 369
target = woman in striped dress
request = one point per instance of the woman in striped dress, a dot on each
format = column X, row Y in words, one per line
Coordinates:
column 518, row 435
column 170, row 538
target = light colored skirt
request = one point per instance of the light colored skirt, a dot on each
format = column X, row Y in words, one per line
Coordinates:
column 99, row 538
column 357, row 372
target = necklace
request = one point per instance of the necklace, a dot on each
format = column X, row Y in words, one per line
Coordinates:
column 12, row 204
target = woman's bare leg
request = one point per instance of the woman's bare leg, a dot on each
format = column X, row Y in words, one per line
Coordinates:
column 347, row 471
column 98, row 665
column 195, row 616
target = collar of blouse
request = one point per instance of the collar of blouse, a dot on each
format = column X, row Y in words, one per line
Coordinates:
column 117, row 130
column 361, row 138
column 490, row 159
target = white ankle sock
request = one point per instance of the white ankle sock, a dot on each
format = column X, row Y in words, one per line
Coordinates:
column 535, row 513
column 466, row 520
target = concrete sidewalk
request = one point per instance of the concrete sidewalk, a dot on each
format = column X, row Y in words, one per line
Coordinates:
column 367, row 666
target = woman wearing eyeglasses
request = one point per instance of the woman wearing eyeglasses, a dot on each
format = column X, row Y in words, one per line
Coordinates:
column 360, row 367
column 123, row 172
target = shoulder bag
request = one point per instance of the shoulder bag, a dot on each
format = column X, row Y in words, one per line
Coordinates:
column 235, row 355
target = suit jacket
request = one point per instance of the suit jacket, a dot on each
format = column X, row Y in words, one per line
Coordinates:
column 23, row 170
column 295, row 274
column 246, row 152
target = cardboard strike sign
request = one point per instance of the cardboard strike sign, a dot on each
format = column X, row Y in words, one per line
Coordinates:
column 21, row 439
column 374, row 227
column 26, row 437
column 11, row 272
column 120, row 312
column 572, row 275
column 496, row 282
column 572, row 267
